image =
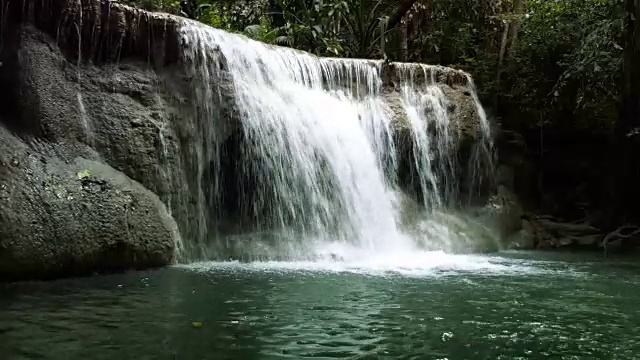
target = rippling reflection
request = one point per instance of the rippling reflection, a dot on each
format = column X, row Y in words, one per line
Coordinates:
column 251, row 311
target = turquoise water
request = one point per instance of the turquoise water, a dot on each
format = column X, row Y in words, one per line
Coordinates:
column 435, row 306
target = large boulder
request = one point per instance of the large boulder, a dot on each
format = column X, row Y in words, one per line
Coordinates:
column 105, row 82
column 61, row 216
column 90, row 149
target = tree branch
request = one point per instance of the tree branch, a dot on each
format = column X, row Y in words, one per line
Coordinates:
column 395, row 19
column 619, row 234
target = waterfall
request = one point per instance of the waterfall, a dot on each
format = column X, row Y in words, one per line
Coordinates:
column 426, row 108
column 316, row 155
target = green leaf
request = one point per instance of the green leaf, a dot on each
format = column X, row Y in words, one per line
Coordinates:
column 253, row 30
column 84, row 174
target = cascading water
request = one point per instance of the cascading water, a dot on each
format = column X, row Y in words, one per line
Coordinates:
column 317, row 144
column 483, row 157
column 426, row 108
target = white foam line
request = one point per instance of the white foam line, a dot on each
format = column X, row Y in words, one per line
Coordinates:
column 415, row 264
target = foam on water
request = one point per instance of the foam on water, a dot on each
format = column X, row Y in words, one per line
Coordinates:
column 412, row 264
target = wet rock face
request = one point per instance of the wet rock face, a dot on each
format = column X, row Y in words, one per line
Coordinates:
column 69, row 217
column 116, row 111
column 465, row 128
column 100, row 31
column 86, row 147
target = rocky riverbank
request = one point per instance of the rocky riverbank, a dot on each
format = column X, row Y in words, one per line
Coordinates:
column 566, row 212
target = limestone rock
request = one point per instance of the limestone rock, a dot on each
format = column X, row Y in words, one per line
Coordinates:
column 504, row 214
column 550, row 233
column 523, row 239
column 61, row 217
column 135, row 117
column 465, row 128
column 62, row 116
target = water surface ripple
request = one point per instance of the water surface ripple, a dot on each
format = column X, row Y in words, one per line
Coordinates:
column 506, row 307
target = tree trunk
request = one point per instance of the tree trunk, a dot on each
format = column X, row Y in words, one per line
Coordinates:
column 518, row 6
column 404, row 8
column 189, row 8
column 503, row 48
column 627, row 131
column 404, row 43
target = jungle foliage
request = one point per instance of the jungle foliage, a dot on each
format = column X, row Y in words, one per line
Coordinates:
column 543, row 61
column 556, row 72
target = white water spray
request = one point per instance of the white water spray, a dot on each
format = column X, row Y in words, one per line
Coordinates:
column 320, row 142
